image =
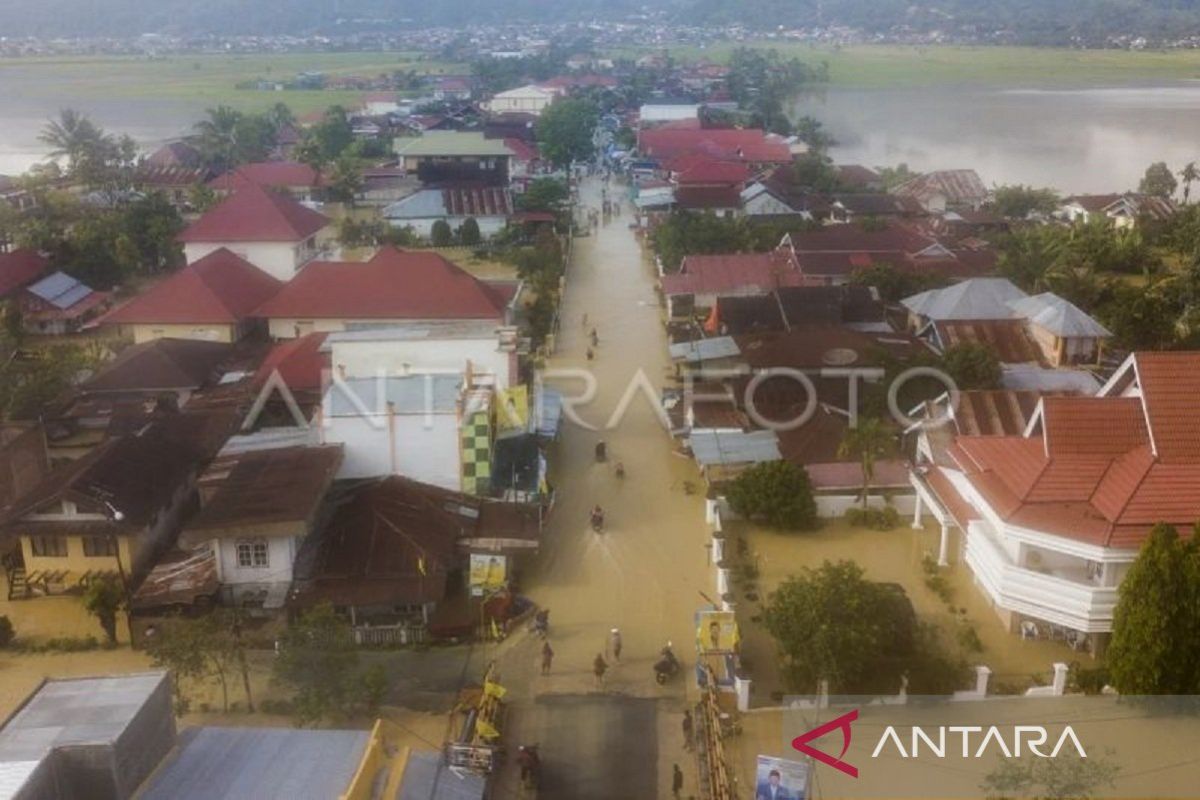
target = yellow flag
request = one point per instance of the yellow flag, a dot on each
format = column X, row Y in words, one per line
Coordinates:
column 421, row 565
column 486, row 730
column 494, row 690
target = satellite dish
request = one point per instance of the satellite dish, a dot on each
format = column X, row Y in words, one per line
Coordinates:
column 839, row 357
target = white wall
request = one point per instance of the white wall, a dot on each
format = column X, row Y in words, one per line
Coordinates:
column 426, row 447
column 488, row 226
column 367, row 359
column 280, row 259
column 281, row 555
column 836, row 505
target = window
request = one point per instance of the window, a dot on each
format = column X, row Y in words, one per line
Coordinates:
column 252, row 553
column 99, row 546
column 49, row 546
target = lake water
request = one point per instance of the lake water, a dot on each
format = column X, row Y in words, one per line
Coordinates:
column 1075, row 140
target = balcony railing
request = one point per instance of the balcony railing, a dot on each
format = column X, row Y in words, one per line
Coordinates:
column 1072, row 604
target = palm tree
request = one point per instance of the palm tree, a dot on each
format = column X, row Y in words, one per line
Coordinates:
column 1188, row 174
column 216, row 137
column 868, row 441
column 73, row 136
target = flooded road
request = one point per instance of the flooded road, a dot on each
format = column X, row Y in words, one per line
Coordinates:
column 643, row 574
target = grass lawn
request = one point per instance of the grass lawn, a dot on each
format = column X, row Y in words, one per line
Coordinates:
column 210, row 78
column 889, row 556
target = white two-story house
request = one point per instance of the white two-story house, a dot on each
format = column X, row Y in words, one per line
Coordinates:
column 1051, row 519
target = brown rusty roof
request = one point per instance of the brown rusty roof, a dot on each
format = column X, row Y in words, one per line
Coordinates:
column 1008, row 338
column 264, row 488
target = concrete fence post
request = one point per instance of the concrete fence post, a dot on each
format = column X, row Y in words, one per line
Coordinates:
column 741, row 685
column 982, row 676
column 1059, row 684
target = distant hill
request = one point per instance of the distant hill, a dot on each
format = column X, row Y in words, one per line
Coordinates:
column 1024, row 21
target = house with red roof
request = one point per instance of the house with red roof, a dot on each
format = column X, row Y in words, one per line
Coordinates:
column 750, row 146
column 1050, row 519
column 20, row 268
column 59, row 304
column 299, row 180
column 212, row 299
column 704, row 278
column 270, row 230
column 393, row 286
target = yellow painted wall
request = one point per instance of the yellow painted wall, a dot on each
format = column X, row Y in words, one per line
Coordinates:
column 208, row 333
column 75, row 561
column 384, row 740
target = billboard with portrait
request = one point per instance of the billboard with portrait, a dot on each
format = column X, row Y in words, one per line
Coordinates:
column 780, row 779
column 716, row 632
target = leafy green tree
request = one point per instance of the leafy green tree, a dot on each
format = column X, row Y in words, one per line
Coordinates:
column 894, row 176
column 104, row 598
column 1066, row 777
column 27, row 385
column 1158, row 180
column 217, row 137
column 1027, row 253
column 440, row 234
column 201, row 197
column 972, row 365
column 332, row 136
column 1155, row 645
column 317, row 661
column 564, row 131
column 74, row 137
column 895, row 284
column 867, row 441
column 345, row 180
column 178, row 644
column 195, row 648
column 375, row 686
column 687, row 233
column 777, row 492
column 833, row 624
column 815, row 172
column 1188, row 175
column 813, row 133
column 544, row 194
column 468, row 233
column 1018, row 201
column 14, row 324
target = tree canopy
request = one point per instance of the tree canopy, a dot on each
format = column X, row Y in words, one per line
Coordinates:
column 972, row 365
column 777, row 492
column 1155, row 646
column 564, row 131
column 1158, row 180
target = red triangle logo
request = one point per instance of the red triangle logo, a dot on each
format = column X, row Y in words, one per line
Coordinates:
column 800, row 743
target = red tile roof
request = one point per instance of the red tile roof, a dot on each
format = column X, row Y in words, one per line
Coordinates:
column 1088, row 472
column 1170, row 385
column 300, row 363
column 254, row 214
column 269, row 174
column 394, row 284
column 522, row 151
column 20, row 268
column 219, row 288
column 744, row 144
column 693, row 170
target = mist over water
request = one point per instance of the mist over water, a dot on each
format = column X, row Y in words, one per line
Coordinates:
column 1075, row 140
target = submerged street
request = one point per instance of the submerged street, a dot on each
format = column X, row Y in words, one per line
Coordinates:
column 643, row 575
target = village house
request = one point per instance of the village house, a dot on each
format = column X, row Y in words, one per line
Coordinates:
column 211, row 299
column 173, row 155
column 1124, row 211
column 393, row 286
column 273, row 232
column 256, row 509
column 15, row 195
column 857, row 178
column 856, row 207
column 379, row 104
column 1051, row 519
column 110, row 513
column 761, row 202
column 701, row 279
column 396, row 549
column 750, row 146
column 452, row 87
column 176, row 183
column 491, row 208
column 20, row 268
column 1041, row 328
column 531, row 99
column 945, row 189
column 784, row 308
column 23, row 459
column 455, row 156
column 59, row 304
column 833, row 253
column 299, row 180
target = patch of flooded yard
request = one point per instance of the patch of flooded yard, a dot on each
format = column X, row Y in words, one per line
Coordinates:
column 893, row 556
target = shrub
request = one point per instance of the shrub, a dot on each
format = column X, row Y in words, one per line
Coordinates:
column 776, row 492
column 968, row 639
column 440, row 234
column 6, row 631
column 1087, row 680
column 877, row 519
column 468, row 233
column 939, row 586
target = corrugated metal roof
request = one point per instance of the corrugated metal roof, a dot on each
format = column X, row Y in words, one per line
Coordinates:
column 705, row 349
column 426, row 777
column 734, row 447
column 1058, row 316
column 214, row 763
column 977, row 298
column 60, row 290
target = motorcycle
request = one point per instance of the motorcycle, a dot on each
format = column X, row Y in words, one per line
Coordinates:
column 666, row 666
column 541, row 622
column 620, row 470
column 598, row 521
column 601, row 452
